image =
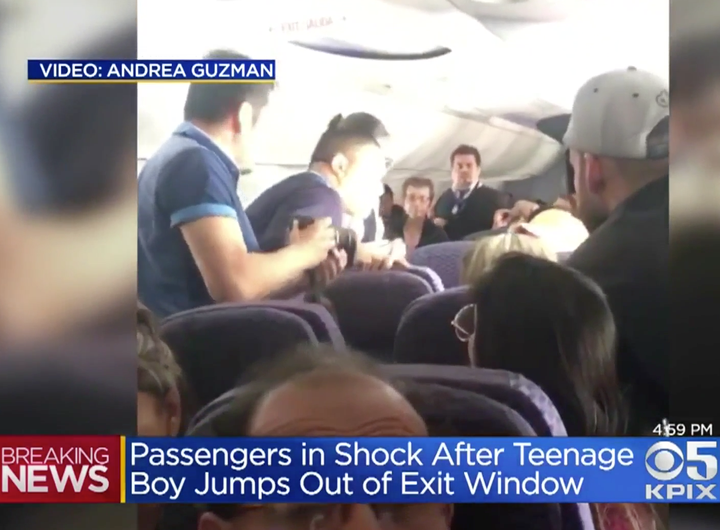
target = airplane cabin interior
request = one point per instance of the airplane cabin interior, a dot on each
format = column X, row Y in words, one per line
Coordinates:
column 438, row 73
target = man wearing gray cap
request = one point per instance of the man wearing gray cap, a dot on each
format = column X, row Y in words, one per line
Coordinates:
column 619, row 147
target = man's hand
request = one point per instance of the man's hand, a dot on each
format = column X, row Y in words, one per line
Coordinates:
column 331, row 267
column 439, row 221
column 398, row 249
column 523, row 209
column 501, row 218
column 317, row 239
column 386, row 256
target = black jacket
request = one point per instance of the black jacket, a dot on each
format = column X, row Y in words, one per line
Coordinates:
column 628, row 257
column 431, row 233
column 474, row 214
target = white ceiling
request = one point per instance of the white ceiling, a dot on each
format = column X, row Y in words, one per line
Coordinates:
column 511, row 64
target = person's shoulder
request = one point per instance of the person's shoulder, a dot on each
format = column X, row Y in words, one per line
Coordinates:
column 488, row 192
column 285, row 189
column 622, row 259
column 436, row 233
column 174, row 154
column 445, row 196
column 308, row 189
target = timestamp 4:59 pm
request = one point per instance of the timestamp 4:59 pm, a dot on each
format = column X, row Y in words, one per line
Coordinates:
column 668, row 429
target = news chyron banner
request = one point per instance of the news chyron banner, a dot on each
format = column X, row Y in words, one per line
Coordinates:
column 55, row 71
column 363, row 470
column 62, row 469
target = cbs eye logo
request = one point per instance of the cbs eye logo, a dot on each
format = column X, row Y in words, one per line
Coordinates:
column 664, row 461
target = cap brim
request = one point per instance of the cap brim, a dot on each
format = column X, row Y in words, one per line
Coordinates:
column 555, row 126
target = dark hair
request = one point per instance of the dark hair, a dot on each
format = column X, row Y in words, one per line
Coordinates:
column 365, row 123
column 694, row 65
column 552, row 325
column 338, row 139
column 569, row 174
column 214, row 102
column 158, row 371
column 419, row 182
column 387, row 190
column 84, row 135
column 265, row 377
column 464, row 149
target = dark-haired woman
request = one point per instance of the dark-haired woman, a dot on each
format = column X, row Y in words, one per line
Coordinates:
column 553, row 325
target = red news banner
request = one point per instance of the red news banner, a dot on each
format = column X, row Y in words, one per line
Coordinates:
column 61, row 469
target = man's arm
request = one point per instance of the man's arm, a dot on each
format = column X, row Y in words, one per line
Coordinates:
column 322, row 201
column 231, row 273
column 203, row 209
column 443, row 209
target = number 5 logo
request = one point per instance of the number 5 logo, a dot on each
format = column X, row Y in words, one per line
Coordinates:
column 693, row 455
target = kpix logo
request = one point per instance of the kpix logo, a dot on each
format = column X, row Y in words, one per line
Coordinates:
column 665, row 461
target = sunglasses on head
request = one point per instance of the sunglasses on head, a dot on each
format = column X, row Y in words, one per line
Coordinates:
column 464, row 322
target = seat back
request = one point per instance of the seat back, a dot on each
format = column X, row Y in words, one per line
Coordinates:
column 425, row 334
column 369, row 306
column 202, row 423
column 321, row 321
column 444, row 258
column 217, row 344
column 448, row 411
column 428, row 275
column 452, row 411
column 511, row 390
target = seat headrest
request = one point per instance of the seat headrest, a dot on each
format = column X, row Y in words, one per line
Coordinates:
column 425, row 334
column 369, row 306
column 510, row 389
column 215, row 346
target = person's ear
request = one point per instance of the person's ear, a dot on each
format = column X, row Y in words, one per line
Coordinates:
column 244, row 118
column 593, row 170
column 339, row 165
column 210, row 521
column 173, row 408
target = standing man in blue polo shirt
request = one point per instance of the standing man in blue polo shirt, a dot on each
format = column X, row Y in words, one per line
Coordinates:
column 195, row 243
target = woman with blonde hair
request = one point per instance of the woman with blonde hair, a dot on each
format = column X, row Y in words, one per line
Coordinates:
column 489, row 249
column 558, row 228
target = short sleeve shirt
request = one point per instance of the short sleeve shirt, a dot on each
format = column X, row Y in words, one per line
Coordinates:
column 190, row 177
column 303, row 195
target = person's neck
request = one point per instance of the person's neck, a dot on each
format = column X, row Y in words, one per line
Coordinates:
column 626, row 188
column 465, row 188
column 414, row 222
column 325, row 172
column 218, row 134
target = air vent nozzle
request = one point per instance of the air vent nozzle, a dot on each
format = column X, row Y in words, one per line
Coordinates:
column 355, row 52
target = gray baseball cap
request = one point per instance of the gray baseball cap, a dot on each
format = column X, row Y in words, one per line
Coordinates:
column 621, row 114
